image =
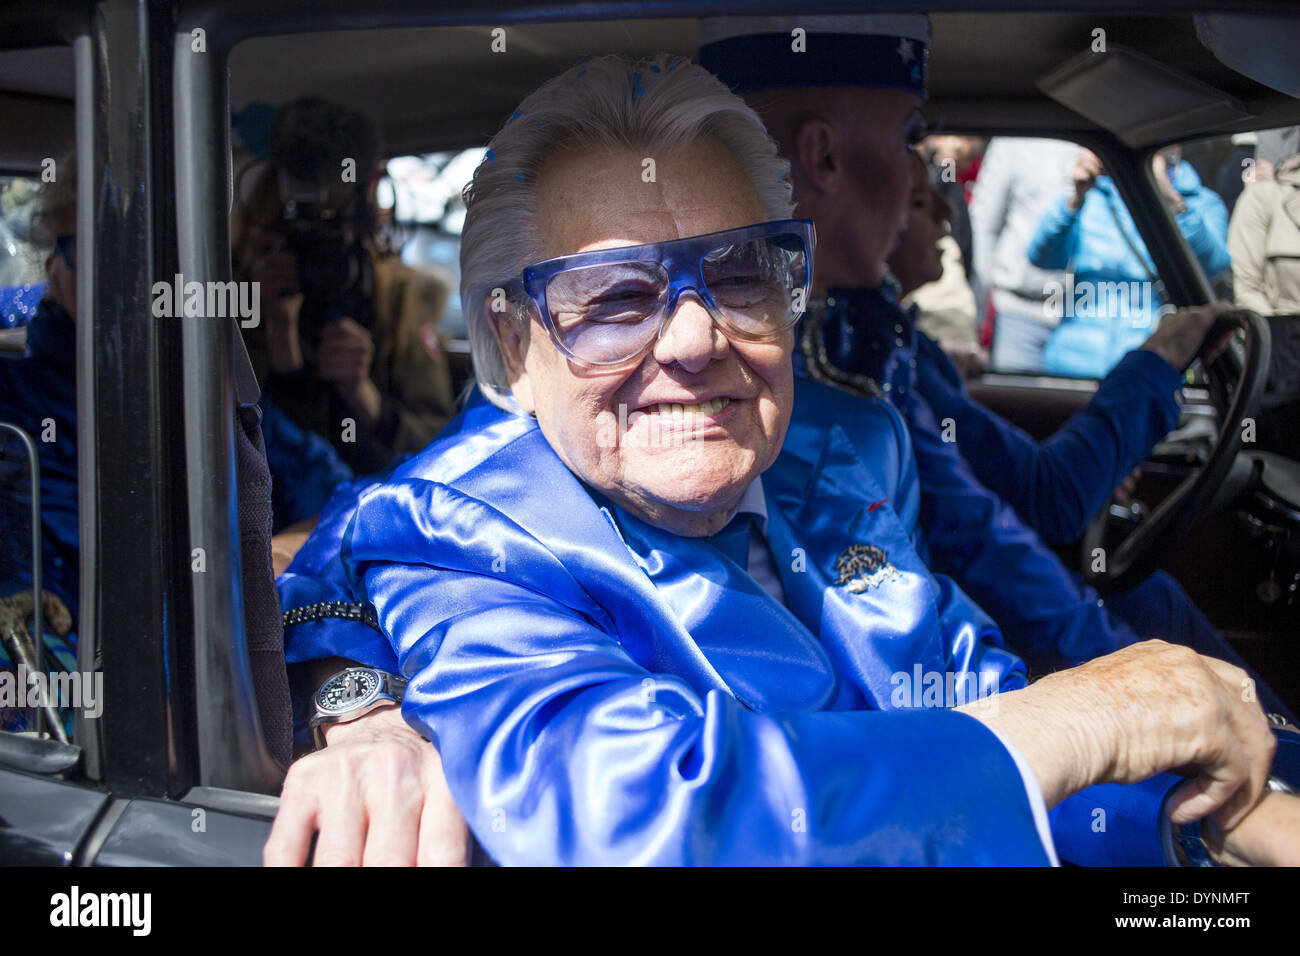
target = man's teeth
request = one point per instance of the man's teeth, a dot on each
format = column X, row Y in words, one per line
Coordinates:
column 676, row 410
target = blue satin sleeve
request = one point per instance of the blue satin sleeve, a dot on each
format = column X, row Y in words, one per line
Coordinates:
column 959, row 615
column 317, row 575
column 1112, row 824
column 1057, row 485
column 1048, row 618
column 562, row 747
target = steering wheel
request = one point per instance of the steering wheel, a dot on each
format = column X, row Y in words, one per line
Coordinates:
column 1149, row 543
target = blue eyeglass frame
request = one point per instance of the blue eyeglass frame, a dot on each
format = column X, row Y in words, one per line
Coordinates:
column 683, row 259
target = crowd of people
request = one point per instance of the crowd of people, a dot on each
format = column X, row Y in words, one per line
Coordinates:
column 683, row 645
column 1053, row 276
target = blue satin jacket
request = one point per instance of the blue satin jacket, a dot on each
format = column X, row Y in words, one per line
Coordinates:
column 602, row 691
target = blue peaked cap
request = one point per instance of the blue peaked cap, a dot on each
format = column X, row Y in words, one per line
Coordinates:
column 886, row 51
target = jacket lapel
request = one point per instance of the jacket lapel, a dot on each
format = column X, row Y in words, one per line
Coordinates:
column 847, row 563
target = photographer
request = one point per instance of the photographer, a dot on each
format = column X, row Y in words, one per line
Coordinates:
column 349, row 347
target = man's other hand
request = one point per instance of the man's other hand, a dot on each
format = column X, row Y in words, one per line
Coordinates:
column 377, row 796
column 286, row 545
column 1180, row 334
column 1144, row 709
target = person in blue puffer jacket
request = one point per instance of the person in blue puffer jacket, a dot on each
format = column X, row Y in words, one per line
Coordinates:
column 1114, row 301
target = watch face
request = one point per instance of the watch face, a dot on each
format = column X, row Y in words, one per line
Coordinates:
column 343, row 692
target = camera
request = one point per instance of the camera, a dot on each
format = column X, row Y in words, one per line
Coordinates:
column 333, row 264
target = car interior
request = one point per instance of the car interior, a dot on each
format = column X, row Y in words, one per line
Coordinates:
column 146, row 94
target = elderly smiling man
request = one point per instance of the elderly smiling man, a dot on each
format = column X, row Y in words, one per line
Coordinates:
column 657, row 600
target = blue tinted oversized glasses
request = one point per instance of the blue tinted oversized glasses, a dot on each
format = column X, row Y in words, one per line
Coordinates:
column 609, row 306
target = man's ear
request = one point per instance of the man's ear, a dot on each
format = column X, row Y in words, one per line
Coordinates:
column 510, row 330
column 817, row 156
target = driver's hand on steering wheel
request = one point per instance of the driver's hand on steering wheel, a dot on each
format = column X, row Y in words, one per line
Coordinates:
column 1127, row 488
column 1179, row 337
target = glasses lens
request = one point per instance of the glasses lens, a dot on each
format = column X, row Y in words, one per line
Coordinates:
column 756, row 283
column 607, row 313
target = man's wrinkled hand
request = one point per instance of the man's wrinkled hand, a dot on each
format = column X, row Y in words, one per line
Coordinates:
column 1141, row 710
column 1180, row 334
column 377, row 796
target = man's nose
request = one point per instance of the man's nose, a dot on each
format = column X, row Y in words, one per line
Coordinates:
column 691, row 338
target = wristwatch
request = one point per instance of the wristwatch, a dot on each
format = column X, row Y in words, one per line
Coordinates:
column 351, row 693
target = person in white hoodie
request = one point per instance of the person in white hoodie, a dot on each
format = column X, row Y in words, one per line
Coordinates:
column 1019, row 179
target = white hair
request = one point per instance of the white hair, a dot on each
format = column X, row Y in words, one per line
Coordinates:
column 655, row 105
